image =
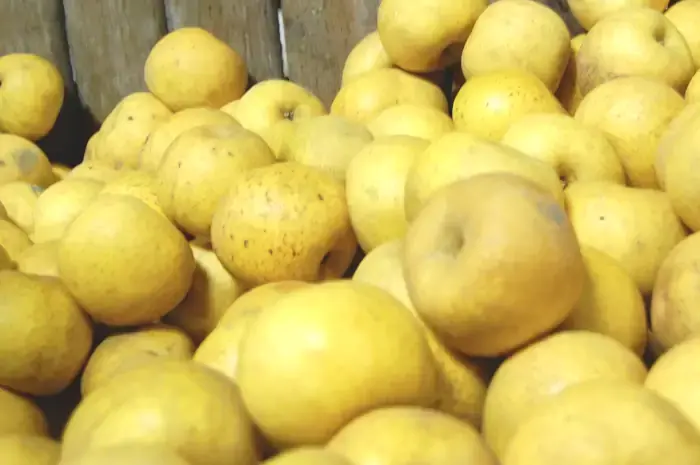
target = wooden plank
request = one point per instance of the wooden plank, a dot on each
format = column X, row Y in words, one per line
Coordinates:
column 35, row 27
column 109, row 41
column 319, row 35
column 249, row 26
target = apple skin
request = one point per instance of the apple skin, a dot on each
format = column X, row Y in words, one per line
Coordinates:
column 492, row 263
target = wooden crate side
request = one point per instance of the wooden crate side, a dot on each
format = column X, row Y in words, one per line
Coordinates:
column 249, row 26
column 319, row 34
column 109, row 41
column 35, row 27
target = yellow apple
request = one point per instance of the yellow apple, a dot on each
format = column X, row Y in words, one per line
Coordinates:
column 367, row 95
column 31, row 95
column 457, row 155
column 426, row 35
column 411, row 120
column 327, row 142
column 575, row 151
column 521, row 34
column 375, row 187
column 634, row 42
column 189, row 67
column 637, row 227
column 487, row 104
column 367, row 55
column 633, row 112
column 492, row 263
column 589, row 12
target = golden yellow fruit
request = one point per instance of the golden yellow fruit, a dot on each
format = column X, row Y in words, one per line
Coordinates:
column 213, row 290
column 22, row 160
column 270, row 107
column 131, row 454
column 533, row 376
column 95, row 170
column 326, row 142
column 31, row 95
column 483, row 292
column 426, row 35
column 122, row 352
column 458, row 156
column 220, row 349
column 675, row 376
column 634, row 42
column 462, row 387
column 375, row 186
column 13, row 240
column 5, row 262
column 685, row 16
column 60, row 170
column 692, row 92
column 518, row 34
column 605, row 422
column 157, row 404
column 190, row 67
column 568, row 92
column 40, row 259
column 198, row 170
column 284, row 221
column 366, row 55
column 90, row 152
column 575, row 151
column 29, row 450
column 125, row 130
column 675, row 159
column 161, row 137
column 636, row 227
column 487, row 104
column 137, row 184
column 633, row 112
column 20, row 416
column 589, row 12
column 59, row 205
column 411, row 120
column 369, row 94
column 673, row 315
column 402, row 435
column 19, row 199
column 684, row 120
column 288, row 366
column 307, row 456
column 125, row 263
column 45, row 338
column 611, row 303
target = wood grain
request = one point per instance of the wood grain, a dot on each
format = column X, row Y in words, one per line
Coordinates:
column 319, row 35
column 109, row 41
column 35, row 27
column 249, row 26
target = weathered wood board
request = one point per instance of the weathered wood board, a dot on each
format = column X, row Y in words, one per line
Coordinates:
column 319, row 35
column 35, row 27
column 249, row 26
column 109, row 41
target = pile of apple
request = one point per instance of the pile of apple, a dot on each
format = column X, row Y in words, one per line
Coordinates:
column 528, row 287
